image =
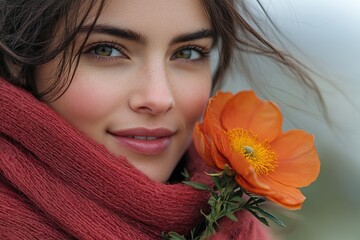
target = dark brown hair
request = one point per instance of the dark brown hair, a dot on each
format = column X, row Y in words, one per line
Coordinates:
column 35, row 32
column 240, row 33
column 27, row 29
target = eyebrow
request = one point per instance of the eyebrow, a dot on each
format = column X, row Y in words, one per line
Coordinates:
column 186, row 37
column 141, row 39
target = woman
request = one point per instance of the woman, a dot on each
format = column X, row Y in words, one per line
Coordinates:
column 102, row 122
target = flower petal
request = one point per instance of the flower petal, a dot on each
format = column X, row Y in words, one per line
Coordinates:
column 220, row 146
column 212, row 114
column 210, row 146
column 252, row 184
column 214, row 109
column 202, row 146
column 218, row 158
column 217, row 103
column 244, row 171
column 298, row 161
column 288, row 197
column 249, row 112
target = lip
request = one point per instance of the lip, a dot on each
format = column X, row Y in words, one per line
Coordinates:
column 144, row 141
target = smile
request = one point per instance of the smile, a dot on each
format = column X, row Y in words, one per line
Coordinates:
column 144, row 141
column 149, row 138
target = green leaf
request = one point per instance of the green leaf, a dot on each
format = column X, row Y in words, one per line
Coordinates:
column 236, row 199
column 254, row 201
column 218, row 208
column 248, row 202
column 258, row 200
column 270, row 216
column 232, row 204
column 186, row 174
column 261, row 219
column 232, row 217
column 229, row 171
column 197, row 185
column 175, row 236
column 216, row 174
column 216, row 180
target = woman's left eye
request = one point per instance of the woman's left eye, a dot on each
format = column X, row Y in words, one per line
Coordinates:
column 189, row 54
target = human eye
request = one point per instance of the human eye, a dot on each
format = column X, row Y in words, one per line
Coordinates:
column 105, row 51
column 191, row 53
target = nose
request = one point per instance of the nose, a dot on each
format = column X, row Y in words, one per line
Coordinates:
column 153, row 94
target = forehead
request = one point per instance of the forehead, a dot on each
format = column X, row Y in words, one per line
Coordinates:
column 155, row 16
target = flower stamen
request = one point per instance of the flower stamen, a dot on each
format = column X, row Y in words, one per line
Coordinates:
column 259, row 154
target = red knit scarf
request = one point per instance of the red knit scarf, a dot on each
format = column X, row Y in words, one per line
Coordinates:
column 55, row 183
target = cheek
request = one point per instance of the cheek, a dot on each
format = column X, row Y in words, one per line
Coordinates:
column 193, row 103
column 85, row 101
column 87, row 97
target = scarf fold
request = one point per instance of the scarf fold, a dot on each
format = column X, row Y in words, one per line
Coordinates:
column 55, row 183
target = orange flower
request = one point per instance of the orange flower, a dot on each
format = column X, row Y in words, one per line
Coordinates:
column 245, row 133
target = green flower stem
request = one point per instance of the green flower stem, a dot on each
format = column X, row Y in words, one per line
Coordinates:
column 226, row 198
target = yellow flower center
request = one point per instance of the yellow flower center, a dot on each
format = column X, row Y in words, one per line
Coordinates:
column 258, row 153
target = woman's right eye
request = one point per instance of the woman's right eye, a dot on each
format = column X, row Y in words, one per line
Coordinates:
column 105, row 51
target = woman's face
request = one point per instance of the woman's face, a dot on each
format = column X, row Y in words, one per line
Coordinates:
column 142, row 82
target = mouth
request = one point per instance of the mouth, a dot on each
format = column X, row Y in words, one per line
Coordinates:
column 148, row 138
column 144, row 141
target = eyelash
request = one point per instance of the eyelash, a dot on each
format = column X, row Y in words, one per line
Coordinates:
column 107, row 59
column 202, row 51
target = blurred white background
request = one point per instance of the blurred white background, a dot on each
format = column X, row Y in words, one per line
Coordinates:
column 328, row 34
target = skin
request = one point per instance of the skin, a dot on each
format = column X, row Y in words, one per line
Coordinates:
column 148, row 82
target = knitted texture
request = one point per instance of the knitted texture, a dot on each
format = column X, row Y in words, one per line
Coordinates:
column 55, row 183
